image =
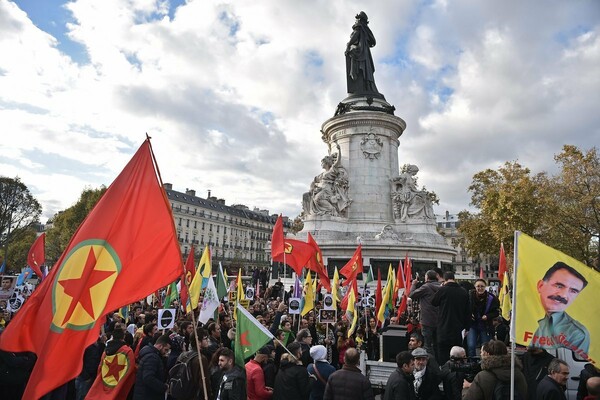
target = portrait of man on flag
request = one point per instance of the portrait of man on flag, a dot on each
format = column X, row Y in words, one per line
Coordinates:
column 558, row 291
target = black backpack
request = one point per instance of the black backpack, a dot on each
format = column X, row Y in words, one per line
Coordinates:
column 181, row 383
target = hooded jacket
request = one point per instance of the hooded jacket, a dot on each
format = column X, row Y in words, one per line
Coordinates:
column 291, row 382
column 494, row 369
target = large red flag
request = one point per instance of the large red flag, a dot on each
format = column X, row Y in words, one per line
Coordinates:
column 124, row 250
column 277, row 238
column 501, row 264
column 297, row 253
column 37, row 255
column 186, row 278
column 353, row 267
column 116, row 375
column 315, row 263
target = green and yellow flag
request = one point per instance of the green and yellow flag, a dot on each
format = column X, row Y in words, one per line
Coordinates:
column 171, row 295
column 250, row 336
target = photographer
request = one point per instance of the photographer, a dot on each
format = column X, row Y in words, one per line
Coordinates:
column 495, row 366
column 454, row 373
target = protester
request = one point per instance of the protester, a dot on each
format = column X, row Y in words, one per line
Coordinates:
column 233, row 383
column 292, row 382
column 319, row 370
column 453, row 379
column 255, row 377
column 400, row 384
column 553, row 386
column 349, row 383
column 427, row 379
column 150, row 380
column 428, row 316
column 484, row 308
column 453, row 303
column 535, row 367
column 495, row 369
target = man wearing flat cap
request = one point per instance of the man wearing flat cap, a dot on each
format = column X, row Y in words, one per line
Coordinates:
column 427, row 379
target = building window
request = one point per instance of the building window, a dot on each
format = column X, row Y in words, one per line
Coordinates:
column 195, row 224
column 224, row 230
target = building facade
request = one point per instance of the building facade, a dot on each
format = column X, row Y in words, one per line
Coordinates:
column 465, row 267
column 236, row 235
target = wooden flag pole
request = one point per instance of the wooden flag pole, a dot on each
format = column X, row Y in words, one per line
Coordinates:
column 202, row 381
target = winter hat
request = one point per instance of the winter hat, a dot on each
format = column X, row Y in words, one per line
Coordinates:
column 318, row 353
column 419, row 352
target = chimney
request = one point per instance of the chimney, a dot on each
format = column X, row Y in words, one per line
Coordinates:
column 190, row 192
column 208, row 197
column 168, row 186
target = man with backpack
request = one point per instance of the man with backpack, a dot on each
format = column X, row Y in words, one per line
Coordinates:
column 186, row 375
column 493, row 382
column 150, row 377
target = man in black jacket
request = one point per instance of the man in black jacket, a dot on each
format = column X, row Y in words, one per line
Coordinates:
column 150, row 379
column 427, row 378
column 553, row 386
column 292, row 381
column 349, row 383
column 233, row 385
column 453, row 303
column 400, row 384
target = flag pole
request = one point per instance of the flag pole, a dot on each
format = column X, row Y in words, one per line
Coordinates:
column 202, row 381
column 512, row 317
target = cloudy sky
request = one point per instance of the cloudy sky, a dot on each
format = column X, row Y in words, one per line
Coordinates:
column 234, row 93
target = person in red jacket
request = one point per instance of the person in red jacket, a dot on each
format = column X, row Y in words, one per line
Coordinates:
column 255, row 377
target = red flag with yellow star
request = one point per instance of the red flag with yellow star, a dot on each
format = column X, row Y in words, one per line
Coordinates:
column 296, row 254
column 116, row 375
column 124, row 250
column 353, row 267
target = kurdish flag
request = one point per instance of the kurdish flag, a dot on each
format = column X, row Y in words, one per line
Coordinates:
column 250, row 335
column 309, row 296
column 116, row 377
column 110, row 261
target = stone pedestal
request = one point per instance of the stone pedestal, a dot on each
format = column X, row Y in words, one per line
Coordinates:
column 367, row 135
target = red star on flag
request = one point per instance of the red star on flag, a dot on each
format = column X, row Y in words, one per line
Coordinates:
column 79, row 288
column 114, row 368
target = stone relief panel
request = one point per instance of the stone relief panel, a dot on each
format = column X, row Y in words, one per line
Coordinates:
column 387, row 233
column 407, row 201
column 328, row 194
column 371, row 146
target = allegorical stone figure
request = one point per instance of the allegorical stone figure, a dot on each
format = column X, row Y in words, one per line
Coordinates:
column 328, row 194
column 408, row 201
column 359, row 62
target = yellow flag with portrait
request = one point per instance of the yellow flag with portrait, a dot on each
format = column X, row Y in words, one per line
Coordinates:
column 556, row 300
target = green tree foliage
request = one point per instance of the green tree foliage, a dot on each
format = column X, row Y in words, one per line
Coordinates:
column 19, row 212
column 562, row 211
column 508, row 199
column 65, row 223
column 576, row 191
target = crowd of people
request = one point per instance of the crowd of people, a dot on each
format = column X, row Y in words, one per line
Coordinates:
column 456, row 349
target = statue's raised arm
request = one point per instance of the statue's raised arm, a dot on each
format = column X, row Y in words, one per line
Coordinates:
column 359, row 62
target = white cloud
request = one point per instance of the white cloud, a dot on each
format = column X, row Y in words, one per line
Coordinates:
column 234, row 93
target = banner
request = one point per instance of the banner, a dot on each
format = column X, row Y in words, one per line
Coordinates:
column 555, row 300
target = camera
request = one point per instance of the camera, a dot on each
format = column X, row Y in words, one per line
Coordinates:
column 470, row 366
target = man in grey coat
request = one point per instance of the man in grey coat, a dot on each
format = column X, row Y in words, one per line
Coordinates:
column 429, row 312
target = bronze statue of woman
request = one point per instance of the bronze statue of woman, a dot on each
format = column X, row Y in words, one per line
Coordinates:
column 359, row 62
